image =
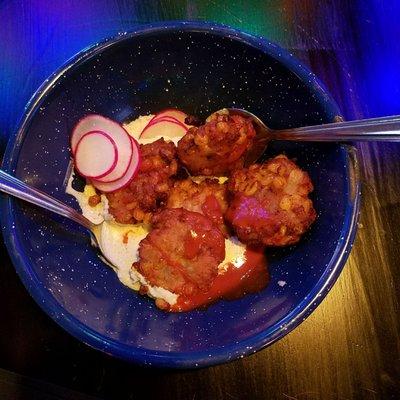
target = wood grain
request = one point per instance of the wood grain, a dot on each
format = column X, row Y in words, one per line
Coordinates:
column 349, row 347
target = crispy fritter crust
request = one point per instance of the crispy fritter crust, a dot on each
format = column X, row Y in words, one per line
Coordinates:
column 148, row 191
column 270, row 203
column 217, row 147
column 207, row 197
column 182, row 252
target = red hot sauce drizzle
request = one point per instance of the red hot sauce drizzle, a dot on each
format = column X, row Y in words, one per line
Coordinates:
column 212, row 210
column 250, row 277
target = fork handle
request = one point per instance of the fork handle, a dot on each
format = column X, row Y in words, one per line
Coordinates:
column 15, row 187
column 384, row 129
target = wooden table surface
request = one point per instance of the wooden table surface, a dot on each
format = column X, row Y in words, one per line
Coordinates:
column 349, row 347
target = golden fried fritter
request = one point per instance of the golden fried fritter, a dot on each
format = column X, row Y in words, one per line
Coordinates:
column 217, row 147
column 182, row 252
column 270, row 203
column 148, row 191
column 207, row 197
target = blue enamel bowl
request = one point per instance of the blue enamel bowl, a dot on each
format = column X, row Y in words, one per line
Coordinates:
column 199, row 68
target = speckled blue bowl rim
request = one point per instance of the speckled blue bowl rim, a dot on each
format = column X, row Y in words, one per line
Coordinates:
column 176, row 359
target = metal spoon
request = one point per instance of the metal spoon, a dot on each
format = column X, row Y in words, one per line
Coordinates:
column 13, row 186
column 384, row 129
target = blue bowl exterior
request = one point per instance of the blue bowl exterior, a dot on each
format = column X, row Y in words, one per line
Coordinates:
column 64, row 275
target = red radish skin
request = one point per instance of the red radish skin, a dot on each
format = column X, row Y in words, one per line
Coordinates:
column 133, row 169
column 172, row 119
column 171, row 112
column 89, row 148
column 165, row 128
column 155, row 119
column 116, row 132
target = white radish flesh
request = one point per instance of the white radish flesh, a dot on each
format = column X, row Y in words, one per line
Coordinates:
column 165, row 118
column 164, row 128
column 171, row 112
column 126, row 179
column 96, row 155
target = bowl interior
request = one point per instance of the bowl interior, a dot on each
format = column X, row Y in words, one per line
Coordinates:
column 199, row 72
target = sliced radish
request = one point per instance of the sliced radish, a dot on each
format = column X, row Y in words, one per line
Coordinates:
column 116, row 132
column 165, row 118
column 171, row 112
column 96, row 155
column 133, row 169
column 165, row 128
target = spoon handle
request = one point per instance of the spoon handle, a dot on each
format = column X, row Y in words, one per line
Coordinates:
column 13, row 186
column 384, row 129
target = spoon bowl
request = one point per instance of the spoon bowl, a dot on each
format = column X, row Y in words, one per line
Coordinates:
column 384, row 129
